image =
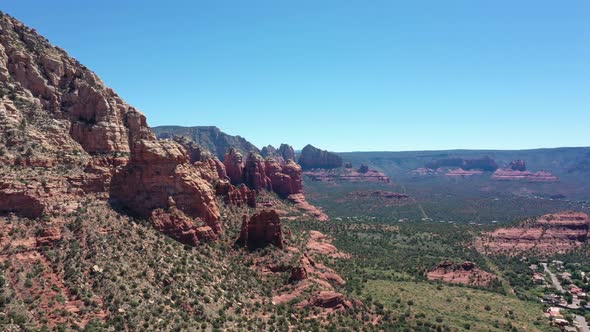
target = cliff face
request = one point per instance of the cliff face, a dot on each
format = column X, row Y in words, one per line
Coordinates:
column 209, row 137
column 312, row 157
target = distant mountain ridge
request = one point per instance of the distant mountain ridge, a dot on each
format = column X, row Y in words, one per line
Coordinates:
column 209, row 137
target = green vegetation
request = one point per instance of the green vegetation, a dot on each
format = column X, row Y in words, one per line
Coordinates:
column 441, row 307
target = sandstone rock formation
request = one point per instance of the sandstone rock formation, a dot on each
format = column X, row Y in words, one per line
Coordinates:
column 320, row 244
column 209, row 137
column 312, row 157
column 234, row 166
column 50, row 235
column 284, row 179
column 262, row 229
column 313, row 280
column 177, row 225
column 240, row 195
column 159, row 171
column 301, row 203
column 465, row 273
column 254, row 173
column 547, row 235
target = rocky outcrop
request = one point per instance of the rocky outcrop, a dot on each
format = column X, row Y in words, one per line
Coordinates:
column 48, row 236
column 310, row 276
column 465, row 273
column 20, row 201
column 312, row 157
column 547, row 235
column 262, row 229
column 298, row 273
column 194, row 151
column 178, row 226
column 255, row 174
column 284, row 153
column 321, row 244
column 287, row 152
column 269, row 151
column 234, row 166
column 301, row 203
column 209, row 137
column 284, row 179
column 159, row 171
column 212, row 170
column 238, row 196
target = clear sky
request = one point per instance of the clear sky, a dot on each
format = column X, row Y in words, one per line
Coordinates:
column 342, row 75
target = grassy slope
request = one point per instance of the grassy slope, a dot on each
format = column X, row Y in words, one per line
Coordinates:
column 458, row 307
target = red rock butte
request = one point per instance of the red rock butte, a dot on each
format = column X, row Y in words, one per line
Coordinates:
column 547, row 235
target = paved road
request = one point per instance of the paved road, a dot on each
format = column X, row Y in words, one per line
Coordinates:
column 554, row 280
column 583, row 324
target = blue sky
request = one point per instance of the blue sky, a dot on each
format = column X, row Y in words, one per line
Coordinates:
column 342, row 75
